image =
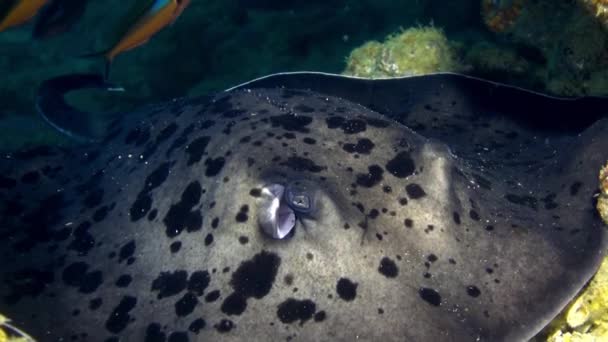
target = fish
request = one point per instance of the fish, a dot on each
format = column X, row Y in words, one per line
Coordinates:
column 58, row 17
column 17, row 12
column 309, row 207
column 144, row 19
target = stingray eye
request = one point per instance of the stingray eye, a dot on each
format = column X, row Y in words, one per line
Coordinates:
column 299, row 198
column 276, row 217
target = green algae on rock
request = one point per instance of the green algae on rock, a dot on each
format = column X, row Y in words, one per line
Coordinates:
column 415, row 51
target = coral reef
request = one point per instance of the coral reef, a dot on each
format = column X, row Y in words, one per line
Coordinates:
column 586, row 318
column 602, row 201
column 500, row 15
column 598, row 8
column 415, row 51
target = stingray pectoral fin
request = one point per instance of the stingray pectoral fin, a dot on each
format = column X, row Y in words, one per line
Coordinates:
column 53, row 108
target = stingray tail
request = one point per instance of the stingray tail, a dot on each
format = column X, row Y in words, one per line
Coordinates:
column 65, row 118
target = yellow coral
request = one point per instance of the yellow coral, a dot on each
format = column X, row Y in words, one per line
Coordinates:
column 414, row 51
column 598, row 8
column 602, row 201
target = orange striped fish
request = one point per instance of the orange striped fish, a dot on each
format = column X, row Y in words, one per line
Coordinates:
column 145, row 19
column 16, row 12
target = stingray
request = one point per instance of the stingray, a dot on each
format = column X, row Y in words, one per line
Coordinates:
column 307, row 207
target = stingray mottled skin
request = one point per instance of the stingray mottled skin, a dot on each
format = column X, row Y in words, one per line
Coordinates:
column 438, row 220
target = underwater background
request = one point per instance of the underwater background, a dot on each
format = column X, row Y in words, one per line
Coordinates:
column 554, row 47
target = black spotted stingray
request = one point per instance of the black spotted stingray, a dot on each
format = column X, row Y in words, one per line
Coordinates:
column 307, row 207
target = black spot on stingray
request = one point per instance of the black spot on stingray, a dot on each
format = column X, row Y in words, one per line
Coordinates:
column 309, row 141
column 456, row 217
column 214, row 166
column 199, row 280
column 154, row 333
column 126, row 251
column 83, row 241
column 101, row 213
column 181, row 140
column 175, row 246
column 157, row 177
column 207, row 124
column 208, row 239
column 474, row 215
column 255, row 192
column 346, row 289
column 180, row 215
column 241, row 216
column 137, row 136
column 320, row 316
column 196, row 149
column 215, row 222
column 73, row 273
column 292, row 310
column 27, row 282
column 197, row 325
column 143, row 202
column 408, row 222
column 178, row 336
column 574, row 188
column 291, row 122
column 473, row 291
column 90, row 282
column 300, row 164
column 141, row 206
column 430, row 296
column 363, row 146
column 243, row 240
column 402, row 165
column 212, row 296
column 166, row 132
column 186, row 304
column 123, row 281
column 152, row 214
column 93, row 198
column 7, row 183
column 415, row 191
column 549, row 201
column 253, row 278
column 371, row 178
column 388, row 268
column 234, row 304
column 224, row 326
column 120, row 317
column 527, row 201
column 95, row 304
column 170, row 283
column 353, row 126
column 30, row 177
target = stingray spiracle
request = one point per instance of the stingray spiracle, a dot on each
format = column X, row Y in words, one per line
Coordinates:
column 279, row 207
